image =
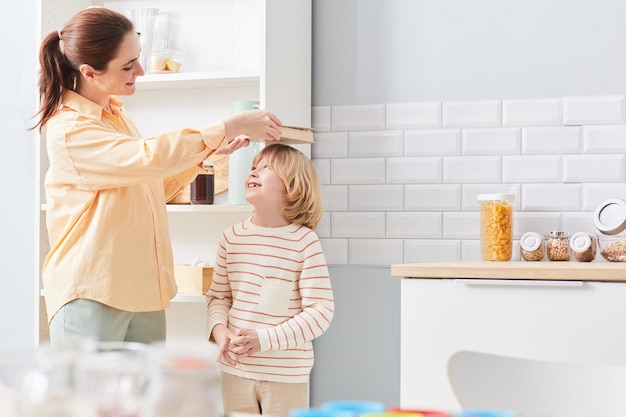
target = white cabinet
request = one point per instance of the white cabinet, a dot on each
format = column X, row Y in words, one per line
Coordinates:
column 235, row 50
column 578, row 321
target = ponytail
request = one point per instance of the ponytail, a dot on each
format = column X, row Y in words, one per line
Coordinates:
column 56, row 73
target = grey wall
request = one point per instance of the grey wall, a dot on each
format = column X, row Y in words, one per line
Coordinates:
column 390, row 51
column 358, row 356
column 378, row 51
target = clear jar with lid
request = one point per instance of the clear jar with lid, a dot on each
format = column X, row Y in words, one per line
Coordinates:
column 557, row 246
column 610, row 221
column 610, row 216
column 531, row 246
column 583, row 247
column 496, row 226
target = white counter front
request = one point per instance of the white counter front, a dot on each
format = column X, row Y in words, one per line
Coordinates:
column 546, row 310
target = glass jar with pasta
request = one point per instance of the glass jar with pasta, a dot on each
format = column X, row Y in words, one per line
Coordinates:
column 496, row 226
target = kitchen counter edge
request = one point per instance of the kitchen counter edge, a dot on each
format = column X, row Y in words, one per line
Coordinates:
column 562, row 271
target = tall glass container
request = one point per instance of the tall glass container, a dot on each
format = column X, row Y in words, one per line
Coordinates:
column 496, row 226
column 240, row 162
column 143, row 20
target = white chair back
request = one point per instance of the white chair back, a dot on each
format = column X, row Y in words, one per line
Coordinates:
column 535, row 387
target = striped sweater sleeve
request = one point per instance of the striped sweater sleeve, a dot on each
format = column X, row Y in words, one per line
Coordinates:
column 219, row 297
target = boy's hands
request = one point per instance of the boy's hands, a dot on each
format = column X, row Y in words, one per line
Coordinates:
column 246, row 342
column 223, row 336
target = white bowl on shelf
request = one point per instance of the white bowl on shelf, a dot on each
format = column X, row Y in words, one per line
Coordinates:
column 166, row 61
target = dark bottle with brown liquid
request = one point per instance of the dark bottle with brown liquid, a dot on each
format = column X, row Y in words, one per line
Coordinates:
column 203, row 187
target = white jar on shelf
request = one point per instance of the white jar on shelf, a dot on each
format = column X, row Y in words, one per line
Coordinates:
column 583, row 247
column 531, row 246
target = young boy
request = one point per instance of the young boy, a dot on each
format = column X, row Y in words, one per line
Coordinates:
column 271, row 293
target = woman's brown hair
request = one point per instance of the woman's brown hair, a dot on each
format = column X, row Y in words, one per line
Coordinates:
column 92, row 36
column 302, row 187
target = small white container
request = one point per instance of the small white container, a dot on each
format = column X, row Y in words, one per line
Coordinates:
column 531, row 246
column 583, row 247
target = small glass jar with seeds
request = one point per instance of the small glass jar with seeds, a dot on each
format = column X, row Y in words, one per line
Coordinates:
column 531, row 246
column 557, row 246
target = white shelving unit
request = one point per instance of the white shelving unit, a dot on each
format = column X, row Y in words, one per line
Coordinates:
column 183, row 80
column 235, row 50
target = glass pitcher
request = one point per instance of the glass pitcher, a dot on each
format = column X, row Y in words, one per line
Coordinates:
column 143, row 20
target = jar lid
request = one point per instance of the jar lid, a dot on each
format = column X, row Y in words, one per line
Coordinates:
column 496, row 197
column 207, row 163
column 558, row 233
column 530, row 241
column 610, row 216
column 580, row 242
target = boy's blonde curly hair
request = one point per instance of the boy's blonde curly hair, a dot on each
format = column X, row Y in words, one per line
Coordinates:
column 302, row 187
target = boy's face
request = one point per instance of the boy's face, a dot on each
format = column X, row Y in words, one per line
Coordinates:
column 264, row 188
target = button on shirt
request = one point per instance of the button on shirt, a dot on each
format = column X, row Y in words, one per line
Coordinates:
column 106, row 190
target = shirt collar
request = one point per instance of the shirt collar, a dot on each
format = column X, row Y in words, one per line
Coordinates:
column 80, row 104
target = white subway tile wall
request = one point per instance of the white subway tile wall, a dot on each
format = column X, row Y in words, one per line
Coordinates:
column 432, row 142
column 413, row 115
column 494, row 141
column 532, row 112
column 604, row 139
column 472, row 114
column 594, row 110
column 400, row 180
column 372, row 144
column 548, row 140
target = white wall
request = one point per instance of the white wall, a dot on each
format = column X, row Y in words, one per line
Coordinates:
column 401, row 180
column 420, row 105
column 17, row 178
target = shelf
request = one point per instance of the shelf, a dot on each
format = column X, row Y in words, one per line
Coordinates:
column 189, row 298
column 210, row 208
column 200, row 208
column 178, row 80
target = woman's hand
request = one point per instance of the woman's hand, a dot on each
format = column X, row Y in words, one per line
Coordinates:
column 256, row 124
column 239, row 142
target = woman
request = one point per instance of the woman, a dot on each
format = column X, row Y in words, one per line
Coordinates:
column 109, row 273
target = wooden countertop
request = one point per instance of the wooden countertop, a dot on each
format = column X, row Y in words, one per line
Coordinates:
column 563, row 271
